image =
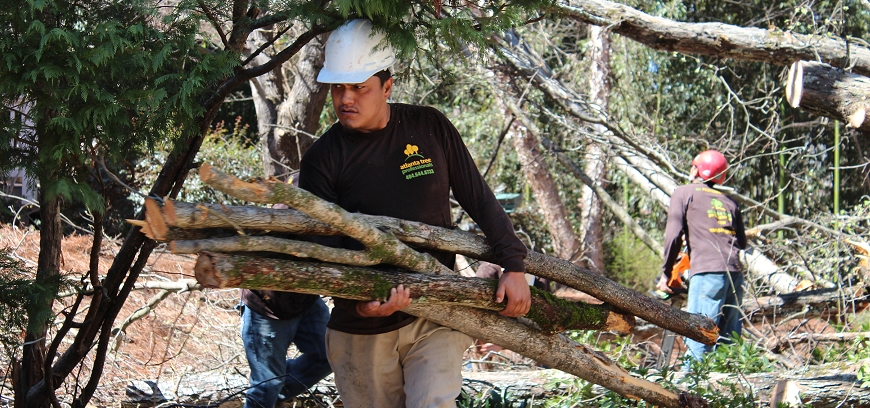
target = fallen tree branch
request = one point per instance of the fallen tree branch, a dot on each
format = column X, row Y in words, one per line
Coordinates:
column 299, row 249
column 572, row 359
column 389, row 249
column 810, row 302
column 717, row 39
column 551, row 314
column 430, row 237
column 554, row 351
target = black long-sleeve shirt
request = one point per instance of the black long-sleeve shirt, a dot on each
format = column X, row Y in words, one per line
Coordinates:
column 712, row 225
column 405, row 170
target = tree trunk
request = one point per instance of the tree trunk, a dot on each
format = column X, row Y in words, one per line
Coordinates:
column 267, row 91
column 287, row 118
column 40, row 307
column 827, row 91
column 591, row 210
column 566, row 244
column 552, row 315
column 299, row 114
column 718, row 40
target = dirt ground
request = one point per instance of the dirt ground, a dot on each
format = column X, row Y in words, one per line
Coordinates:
column 185, row 334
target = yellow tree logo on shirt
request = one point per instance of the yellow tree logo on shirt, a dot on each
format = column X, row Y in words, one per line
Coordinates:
column 416, row 168
column 412, row 150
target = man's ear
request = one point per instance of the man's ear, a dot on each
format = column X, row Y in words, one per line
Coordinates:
column 388, row 87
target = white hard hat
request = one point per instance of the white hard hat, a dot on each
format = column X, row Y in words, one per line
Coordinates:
column 354, row 53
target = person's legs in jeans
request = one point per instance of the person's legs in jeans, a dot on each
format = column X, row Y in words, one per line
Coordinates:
column 731, row 322
column 266, row 341
column 706, row 297
column 308, row 369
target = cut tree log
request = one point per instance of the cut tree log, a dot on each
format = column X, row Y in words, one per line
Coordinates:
column 831, row 92
column 551, row 314
column 246, row 218
column 384, row 246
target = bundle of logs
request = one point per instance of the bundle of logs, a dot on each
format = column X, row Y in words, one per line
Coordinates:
column 252, row 247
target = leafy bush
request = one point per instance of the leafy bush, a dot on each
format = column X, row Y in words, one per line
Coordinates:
column 231, row 151
column 17, row 289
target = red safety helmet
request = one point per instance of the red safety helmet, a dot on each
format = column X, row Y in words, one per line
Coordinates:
column 711, row 166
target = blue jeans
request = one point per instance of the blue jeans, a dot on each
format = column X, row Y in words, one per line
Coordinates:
column 266, row 342
column 717, row 295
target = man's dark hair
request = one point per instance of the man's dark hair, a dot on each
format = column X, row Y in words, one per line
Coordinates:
column 384, row 75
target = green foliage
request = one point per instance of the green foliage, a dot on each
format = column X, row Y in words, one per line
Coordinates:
column 95, row 78
column 489, row 398
column 17, row 288
column 631, row 263
column 230, row 150
column 739, row 357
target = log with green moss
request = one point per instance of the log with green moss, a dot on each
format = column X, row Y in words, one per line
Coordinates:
column 182, row 219
column 551, row 314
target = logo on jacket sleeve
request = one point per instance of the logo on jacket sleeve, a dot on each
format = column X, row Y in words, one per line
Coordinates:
column 416, row 164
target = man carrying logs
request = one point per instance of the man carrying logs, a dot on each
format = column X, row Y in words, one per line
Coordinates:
column 400, row 161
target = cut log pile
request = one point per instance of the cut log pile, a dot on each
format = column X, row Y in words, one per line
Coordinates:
column 251, row 247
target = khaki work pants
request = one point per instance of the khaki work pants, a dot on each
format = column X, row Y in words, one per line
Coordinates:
column 417, row 366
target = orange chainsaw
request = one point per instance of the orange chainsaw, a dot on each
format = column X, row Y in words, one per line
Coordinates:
column 676, row 283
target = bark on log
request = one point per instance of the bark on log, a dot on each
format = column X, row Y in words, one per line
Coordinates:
column 812, row 303
column 554, row 351
column 385, row 247
column 763, row 269
column 827, row 91
column 551, row 314
column 716, row 39
column 827, row 386
column 426, row 236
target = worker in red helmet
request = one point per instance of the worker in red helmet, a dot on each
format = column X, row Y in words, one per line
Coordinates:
column 712, row 227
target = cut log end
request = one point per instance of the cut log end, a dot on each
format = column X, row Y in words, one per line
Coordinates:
column 794, row 88
column 155, row 220
column 169, row 211
column 143, row 226
column 710, row 336
column 205, row 172
column 620, row 323
column 856, row 119
column 206, row 273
